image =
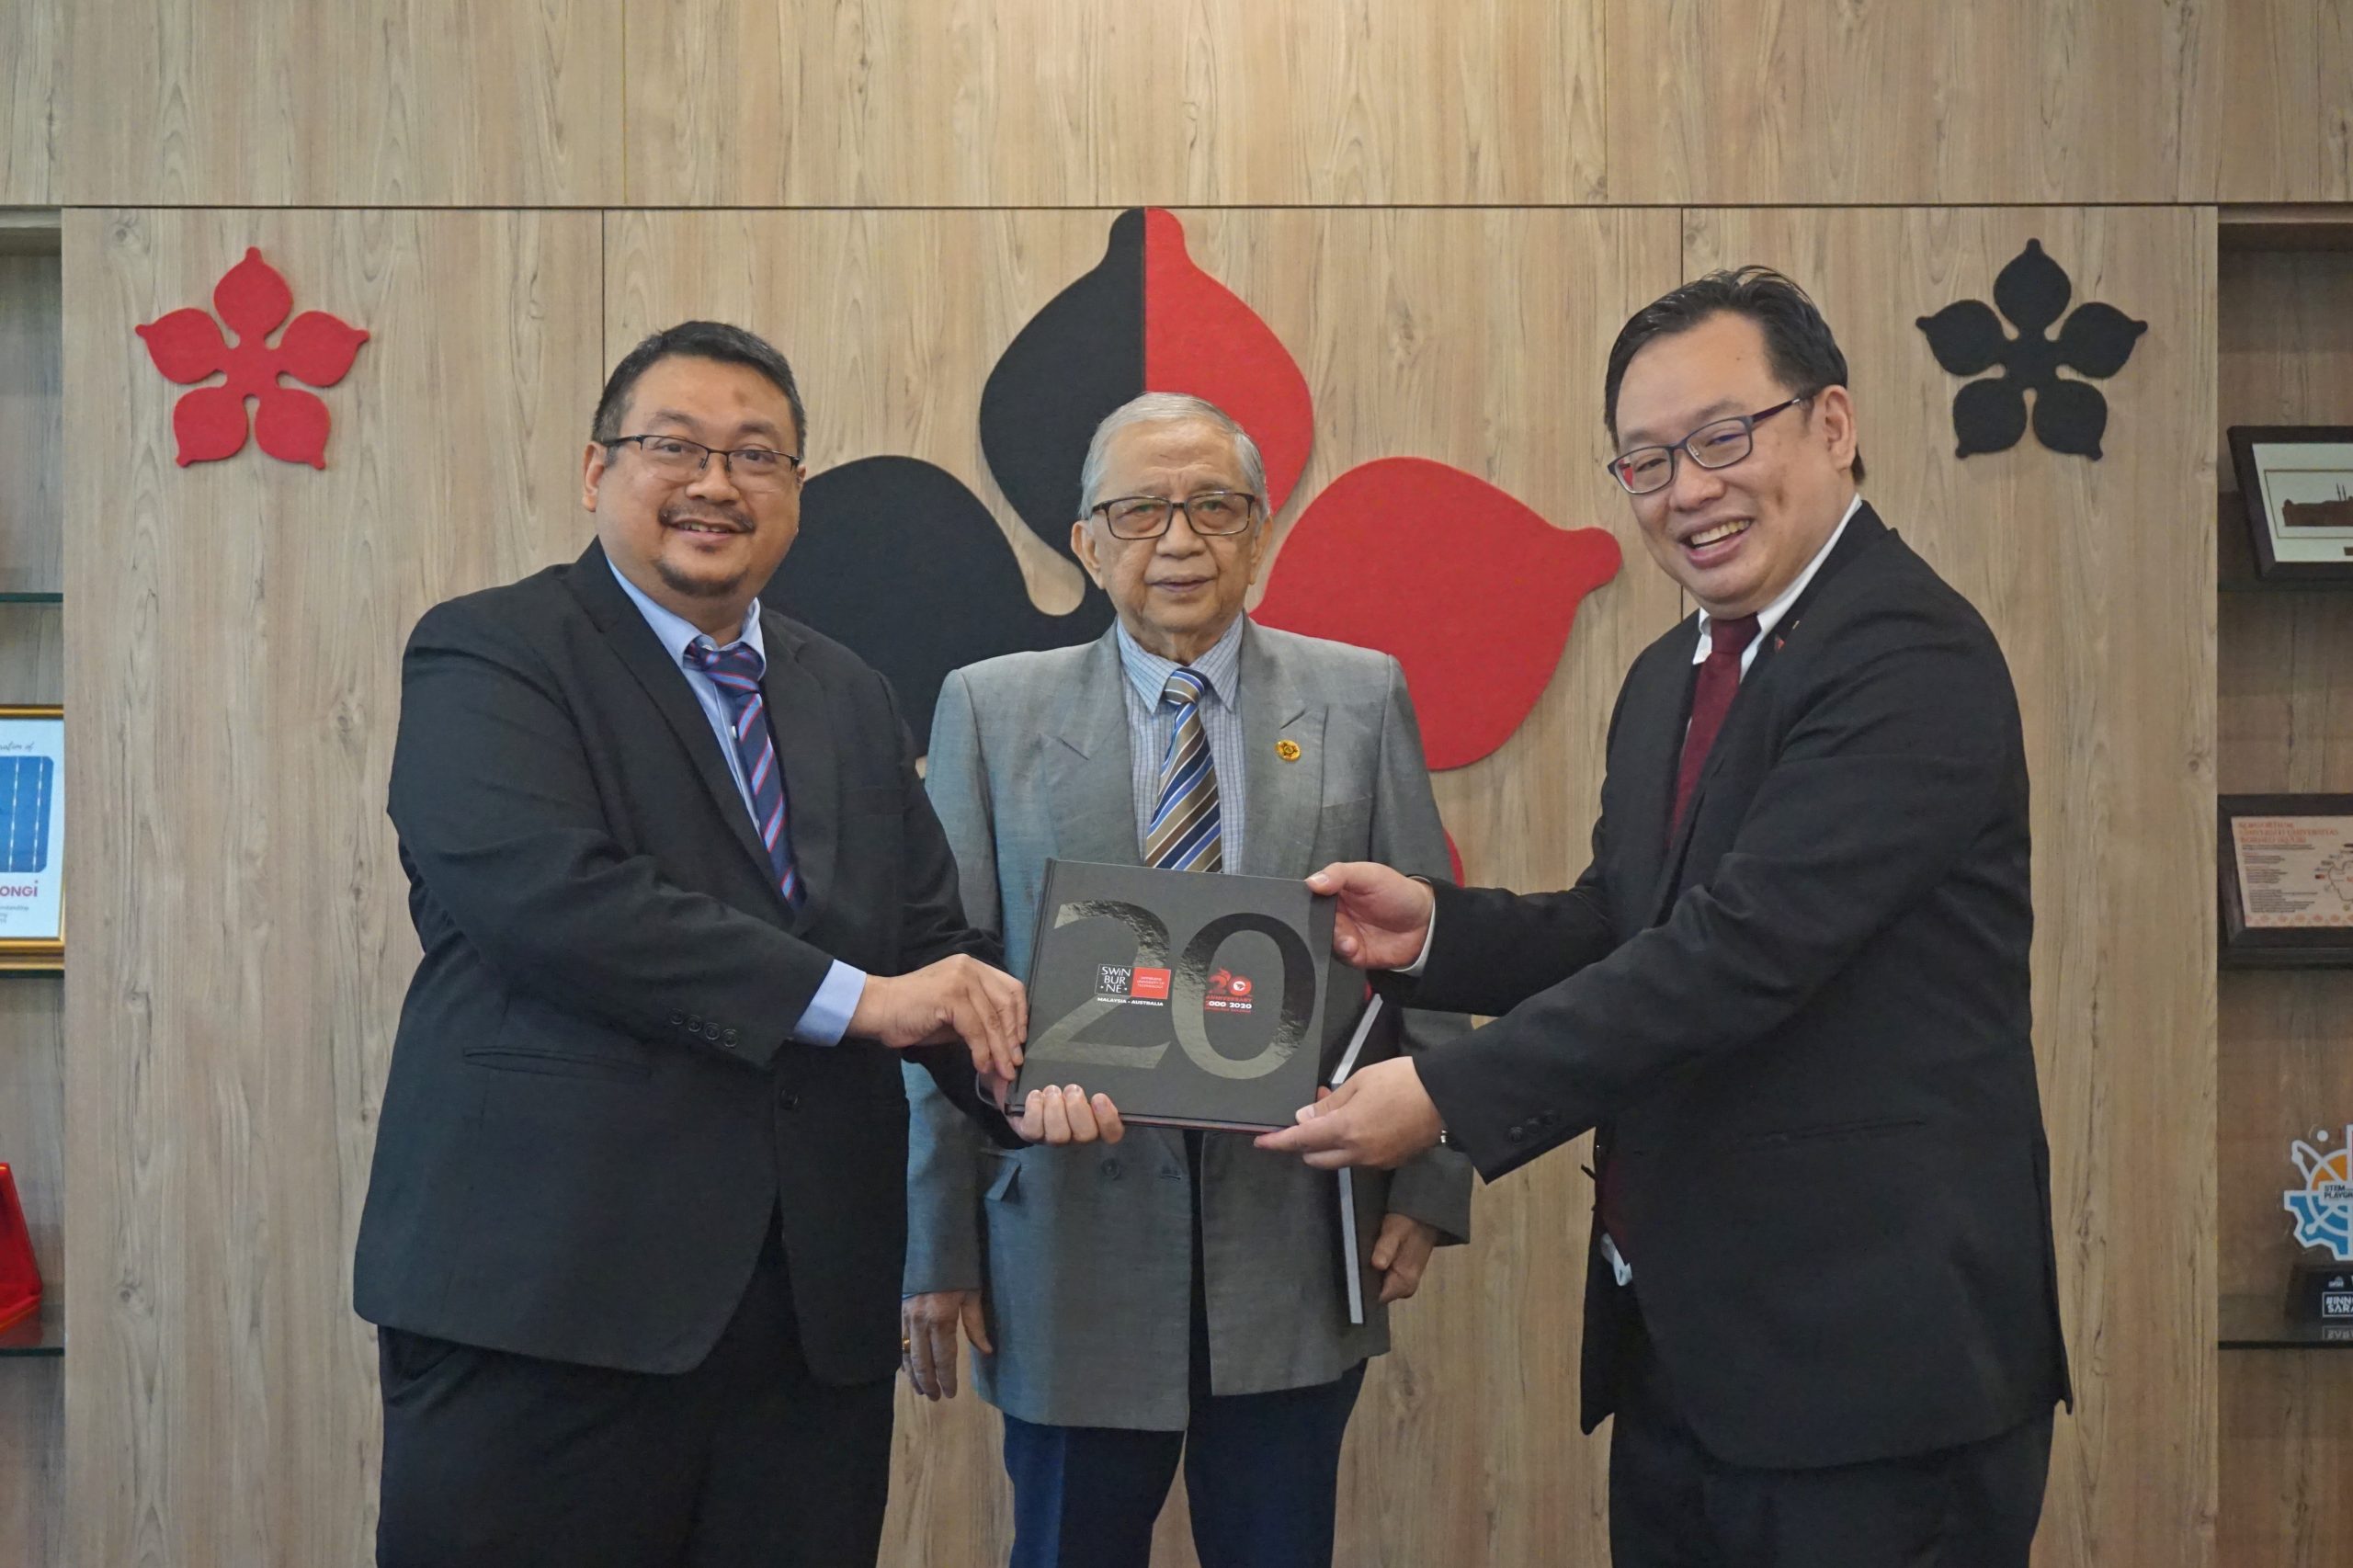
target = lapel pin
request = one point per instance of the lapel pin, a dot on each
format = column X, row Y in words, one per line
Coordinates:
column 1287, row 750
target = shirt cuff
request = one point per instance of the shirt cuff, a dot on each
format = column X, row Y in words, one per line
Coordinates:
column 1422, row 959
column 827, row 1018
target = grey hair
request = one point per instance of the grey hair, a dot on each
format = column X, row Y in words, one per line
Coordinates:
column 1168, row 408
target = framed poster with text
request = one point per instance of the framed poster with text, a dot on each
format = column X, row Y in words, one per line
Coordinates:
column 2287, row 880
column 32, row 837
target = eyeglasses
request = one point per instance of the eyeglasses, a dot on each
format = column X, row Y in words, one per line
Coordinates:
column 1211, row 513
column 1720, row 443
column 676, row 459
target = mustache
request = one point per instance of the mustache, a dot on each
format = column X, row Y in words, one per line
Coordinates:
column 719, row 517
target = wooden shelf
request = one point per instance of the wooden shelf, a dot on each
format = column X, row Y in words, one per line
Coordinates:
column 2304, row 225
column 2261, row 1323
column 44, row 1334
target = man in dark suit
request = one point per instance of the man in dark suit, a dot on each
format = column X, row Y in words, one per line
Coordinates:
column 638, row 1214
column 1791, row 989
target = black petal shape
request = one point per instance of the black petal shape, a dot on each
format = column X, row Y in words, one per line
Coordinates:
column 1076, row 360
column 2098, row 338
column 2032, row 289
column 900, row 562
column 2070, row 416
column 1988, row 417
column 1966, row 337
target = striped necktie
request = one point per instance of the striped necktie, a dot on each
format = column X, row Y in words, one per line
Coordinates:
column 736, row 670
column 1183, row 834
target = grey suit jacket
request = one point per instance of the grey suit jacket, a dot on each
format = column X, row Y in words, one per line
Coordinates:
column 1085, row 1255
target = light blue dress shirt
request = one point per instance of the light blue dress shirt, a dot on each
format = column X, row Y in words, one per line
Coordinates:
column 1151, row 723
column 827, row 1017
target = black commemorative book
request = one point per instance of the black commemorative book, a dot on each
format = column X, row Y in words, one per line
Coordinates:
column 1192, row 999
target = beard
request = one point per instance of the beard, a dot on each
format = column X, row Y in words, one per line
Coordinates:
column 698, row 586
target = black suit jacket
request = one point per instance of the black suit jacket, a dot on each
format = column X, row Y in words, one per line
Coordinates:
column 1803, row 1027
column 595, row 1106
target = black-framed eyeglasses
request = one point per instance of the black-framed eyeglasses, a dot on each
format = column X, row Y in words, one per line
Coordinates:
column 676, row 459
column 1211, row 513
column 1720, row 443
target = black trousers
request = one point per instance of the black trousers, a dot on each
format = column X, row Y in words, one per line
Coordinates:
column 1673, row 1505
column 494, row 1461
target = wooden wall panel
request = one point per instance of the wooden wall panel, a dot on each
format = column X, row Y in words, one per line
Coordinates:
column 1473, row 337
column 32, row 1035
column 269, row 102
column 240, row 938
column 1048, row 103
column 30, row 59
column 2001, row 101
column 2287, row 101
column 2285, row 681
column 2098, row 579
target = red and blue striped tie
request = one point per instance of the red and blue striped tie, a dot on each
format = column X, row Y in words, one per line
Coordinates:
column 736, row 671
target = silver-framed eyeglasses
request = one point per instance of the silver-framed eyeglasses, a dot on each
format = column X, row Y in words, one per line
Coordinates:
column 1211, row 513
column 1720, row 443
column 681, row 461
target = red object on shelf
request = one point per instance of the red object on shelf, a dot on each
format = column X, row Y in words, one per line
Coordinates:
column 19, row 1275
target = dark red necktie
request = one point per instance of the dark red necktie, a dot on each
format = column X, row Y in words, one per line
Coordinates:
column 1711, row 700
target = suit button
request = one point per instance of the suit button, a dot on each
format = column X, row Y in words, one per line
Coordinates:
column 694, row 1024
column 729, row 1037
column 1519, row 1134
column 788, row 1100
column 676, row 1018
column 1111, row 1170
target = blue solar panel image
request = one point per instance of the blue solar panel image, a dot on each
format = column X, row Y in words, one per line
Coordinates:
column 25, row 786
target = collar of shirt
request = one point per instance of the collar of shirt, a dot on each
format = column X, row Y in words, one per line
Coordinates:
column 1770, row 616
column 677, row 634
column 1220, row 668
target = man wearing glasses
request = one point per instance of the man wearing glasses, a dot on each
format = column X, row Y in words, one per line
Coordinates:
column 1791, row 991
column 634, row 1233
column 1181, row 1293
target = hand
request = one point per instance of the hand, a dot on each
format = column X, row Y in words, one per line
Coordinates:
column 1384, row 916
column 1061, row 1115
column 928, row 1330
column 958, row 998
column 1381, row 1117
column 1401, row 1253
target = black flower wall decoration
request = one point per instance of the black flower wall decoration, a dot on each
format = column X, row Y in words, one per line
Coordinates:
column 1966, row 338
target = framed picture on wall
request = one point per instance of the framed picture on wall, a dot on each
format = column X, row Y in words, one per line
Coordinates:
column 2296, row 483
column 32, row 837
column 2287, row 880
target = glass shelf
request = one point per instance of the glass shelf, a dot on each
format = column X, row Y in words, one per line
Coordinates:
column 25, row 588
column 44, row 1334
column 2261, row 1323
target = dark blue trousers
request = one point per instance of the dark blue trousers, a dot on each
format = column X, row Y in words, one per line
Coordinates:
column 1262, row 1470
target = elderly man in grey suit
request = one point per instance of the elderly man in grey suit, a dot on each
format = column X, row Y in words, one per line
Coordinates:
column 1181, row 1293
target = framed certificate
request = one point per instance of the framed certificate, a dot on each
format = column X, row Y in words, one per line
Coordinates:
column 1192, row 1000
column 2296, row 483
column 32, row 837
column 2287, row 880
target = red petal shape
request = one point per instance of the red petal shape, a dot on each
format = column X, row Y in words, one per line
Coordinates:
column 318, row 348
column 1472, row 591
column 210, row 424
column 292, row 426
column 1199, row 337
column 186, row 346
column 252, row 298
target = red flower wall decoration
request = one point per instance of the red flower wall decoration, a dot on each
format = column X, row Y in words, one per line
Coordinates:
column 210, row 422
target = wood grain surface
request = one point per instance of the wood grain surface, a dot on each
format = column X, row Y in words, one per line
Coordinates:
column 31, row 73
column 268, row 102
column 1046, row 103
column 240, row 941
